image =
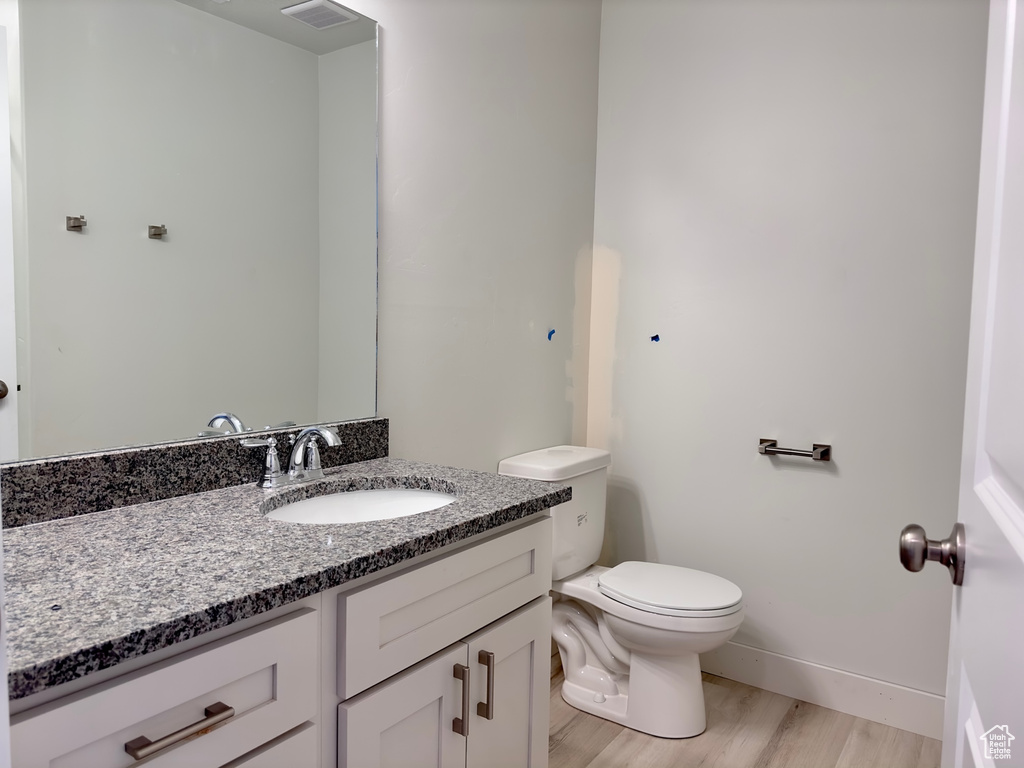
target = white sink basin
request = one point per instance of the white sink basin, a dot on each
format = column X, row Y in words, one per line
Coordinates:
column 361, row 506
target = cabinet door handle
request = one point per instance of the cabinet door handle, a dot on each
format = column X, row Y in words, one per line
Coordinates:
column 485, row 709
column 461, row 724
column 143, row 747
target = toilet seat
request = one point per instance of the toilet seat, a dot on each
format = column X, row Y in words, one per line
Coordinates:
column 583, row 587
column 670, row 590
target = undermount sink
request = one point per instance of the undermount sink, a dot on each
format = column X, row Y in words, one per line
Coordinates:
column 361, row 506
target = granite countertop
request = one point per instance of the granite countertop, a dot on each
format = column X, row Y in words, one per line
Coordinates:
column 88, row 592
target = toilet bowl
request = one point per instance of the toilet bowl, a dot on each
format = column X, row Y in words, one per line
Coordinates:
column 629, row 637
column 634, row 664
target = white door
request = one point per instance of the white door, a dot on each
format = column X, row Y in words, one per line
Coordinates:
column 511, row 663
column 984, row 723
column 407, row 720
column 8, row 411
column 8, row 352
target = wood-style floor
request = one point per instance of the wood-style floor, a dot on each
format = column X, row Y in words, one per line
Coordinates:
column 747, row 728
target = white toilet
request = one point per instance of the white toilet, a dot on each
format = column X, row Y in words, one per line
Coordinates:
column 628, row 636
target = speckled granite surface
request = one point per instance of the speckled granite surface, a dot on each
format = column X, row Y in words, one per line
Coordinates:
column 87, row 592
column 47, row 489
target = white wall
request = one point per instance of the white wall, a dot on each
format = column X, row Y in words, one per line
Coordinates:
column 348, row 232
column 488, row 120
column 184, row 137
column 787, row 190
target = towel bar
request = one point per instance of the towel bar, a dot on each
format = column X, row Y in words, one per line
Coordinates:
column 818, row 452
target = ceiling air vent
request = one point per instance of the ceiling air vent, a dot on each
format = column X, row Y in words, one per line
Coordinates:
column 320, row 14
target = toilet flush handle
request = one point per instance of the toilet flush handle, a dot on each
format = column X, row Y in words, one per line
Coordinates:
column 916, row 549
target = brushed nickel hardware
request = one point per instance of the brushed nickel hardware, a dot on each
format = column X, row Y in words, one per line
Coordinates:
column 916, row 549
column 142, row 747
column 75, row 223
column 157, row 232
column 818, row 452
column 304, row 462
column 485, row 709
column 3, row 389
column 273, row 477
column 461, row 724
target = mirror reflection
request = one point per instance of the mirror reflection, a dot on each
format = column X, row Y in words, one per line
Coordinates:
column 247, row 139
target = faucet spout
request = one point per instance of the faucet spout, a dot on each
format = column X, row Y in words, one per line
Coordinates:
column 304, row 462
column 230, row 420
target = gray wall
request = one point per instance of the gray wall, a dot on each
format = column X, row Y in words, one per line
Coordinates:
column 488, row 120
column 786, row 194
column 348, row 233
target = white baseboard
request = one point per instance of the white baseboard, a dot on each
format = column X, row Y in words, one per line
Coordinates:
column 904, row 708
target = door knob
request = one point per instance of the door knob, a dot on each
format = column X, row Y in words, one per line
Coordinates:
column 916, row 549
column 3, row 389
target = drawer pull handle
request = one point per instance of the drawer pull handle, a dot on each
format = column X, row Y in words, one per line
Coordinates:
column 461, row 724
column 143, row 747
column 485, row 709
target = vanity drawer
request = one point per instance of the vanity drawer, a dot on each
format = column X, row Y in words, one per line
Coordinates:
column 392, row 624
column 268, row 674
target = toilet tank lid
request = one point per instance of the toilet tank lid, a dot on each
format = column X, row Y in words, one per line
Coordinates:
column 554, row 464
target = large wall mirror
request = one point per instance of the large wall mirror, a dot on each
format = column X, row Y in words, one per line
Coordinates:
column 251, row 137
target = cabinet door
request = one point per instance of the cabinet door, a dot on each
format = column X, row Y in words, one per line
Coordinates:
column 517, row 732
column 407, row 720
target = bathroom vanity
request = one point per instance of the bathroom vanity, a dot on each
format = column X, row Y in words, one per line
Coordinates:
column 199, row 632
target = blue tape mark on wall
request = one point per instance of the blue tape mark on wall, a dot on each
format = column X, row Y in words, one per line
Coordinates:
column 551, row 333
column 655, row 337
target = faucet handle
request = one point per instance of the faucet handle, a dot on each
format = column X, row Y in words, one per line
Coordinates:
column 272, row 474
column 311, row 461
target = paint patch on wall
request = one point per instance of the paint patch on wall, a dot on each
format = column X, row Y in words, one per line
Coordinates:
column 604, row 316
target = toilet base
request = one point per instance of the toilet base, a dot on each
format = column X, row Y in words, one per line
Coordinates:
column 662, row 696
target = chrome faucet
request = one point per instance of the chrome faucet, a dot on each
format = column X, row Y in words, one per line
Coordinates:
column 228, row 419
column 304, row 463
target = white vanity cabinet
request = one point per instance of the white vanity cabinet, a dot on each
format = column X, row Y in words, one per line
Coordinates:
column 414, row 630
column 375, row 656
column 495, row 713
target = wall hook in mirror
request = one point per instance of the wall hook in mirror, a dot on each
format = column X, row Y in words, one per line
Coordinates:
column 75, row 223
column 157, row 232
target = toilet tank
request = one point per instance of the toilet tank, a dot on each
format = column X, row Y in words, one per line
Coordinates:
column 578, row 530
